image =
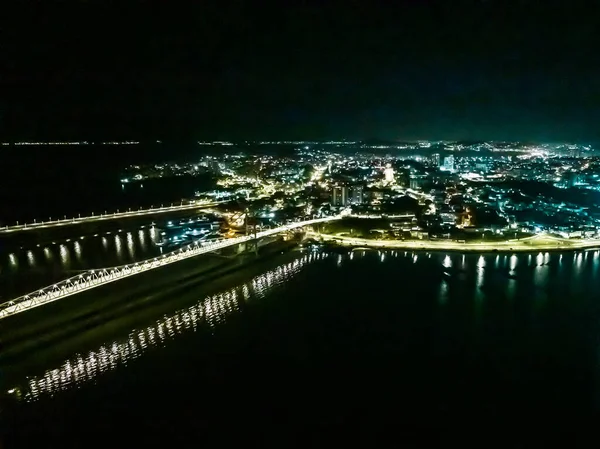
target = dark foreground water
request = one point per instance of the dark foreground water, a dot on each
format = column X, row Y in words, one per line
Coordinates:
column 386, row 349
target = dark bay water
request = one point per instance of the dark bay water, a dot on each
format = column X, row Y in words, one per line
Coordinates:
column 25, row 269
column 381, row 349
column 53, row 181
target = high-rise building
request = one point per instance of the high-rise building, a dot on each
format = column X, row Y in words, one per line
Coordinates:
column 448, row 163
column 344, row 195
column 358, row 195
column 435, row 160
column 339, row 196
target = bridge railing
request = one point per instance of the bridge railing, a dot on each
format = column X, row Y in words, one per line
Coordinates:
column 100, row 217
column 95, row 278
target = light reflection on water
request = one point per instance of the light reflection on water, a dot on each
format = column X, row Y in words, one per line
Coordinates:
column 212, row 310
column 514, row 260
column 65, row 257
column 30, row 258
column 130, row 246
column 140, row 244
column 142, row 239
column 444, row 292
column 40, row 265
column 481, row 263
column 77, row 248
column 540, row 275
column 539, row 260
column 119, row 247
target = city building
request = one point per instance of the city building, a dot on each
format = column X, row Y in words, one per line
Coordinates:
column 388, row 174
column 469, row 175
column 358, row 195
column 344, row 195
column 340, row 196
column 448, row 217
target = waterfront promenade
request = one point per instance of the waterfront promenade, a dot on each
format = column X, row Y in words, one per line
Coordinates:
column 540, row 242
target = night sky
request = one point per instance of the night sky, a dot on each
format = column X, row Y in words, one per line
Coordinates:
column 421, row 70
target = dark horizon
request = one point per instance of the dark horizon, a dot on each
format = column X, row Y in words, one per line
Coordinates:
column 480, row 70
column 134, row 141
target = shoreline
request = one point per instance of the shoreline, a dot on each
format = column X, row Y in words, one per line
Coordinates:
column 501, row 247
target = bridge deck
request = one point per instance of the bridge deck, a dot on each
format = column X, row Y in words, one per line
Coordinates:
column 102, row 217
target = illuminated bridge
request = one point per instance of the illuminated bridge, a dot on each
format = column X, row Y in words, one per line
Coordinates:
column 96, row 278
column 106, row 216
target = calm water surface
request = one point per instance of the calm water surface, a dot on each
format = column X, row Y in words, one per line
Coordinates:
column 31, row 267
column 427, row 348
column 54, row 181
column 27, row 266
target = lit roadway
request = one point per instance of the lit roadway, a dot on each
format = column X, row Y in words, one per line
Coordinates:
column 105, row 217
column 535, row 243
column 96, row 278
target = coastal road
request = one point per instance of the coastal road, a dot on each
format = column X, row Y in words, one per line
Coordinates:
column 535, row 243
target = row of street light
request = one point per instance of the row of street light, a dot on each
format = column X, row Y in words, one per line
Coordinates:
column 91, row 217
